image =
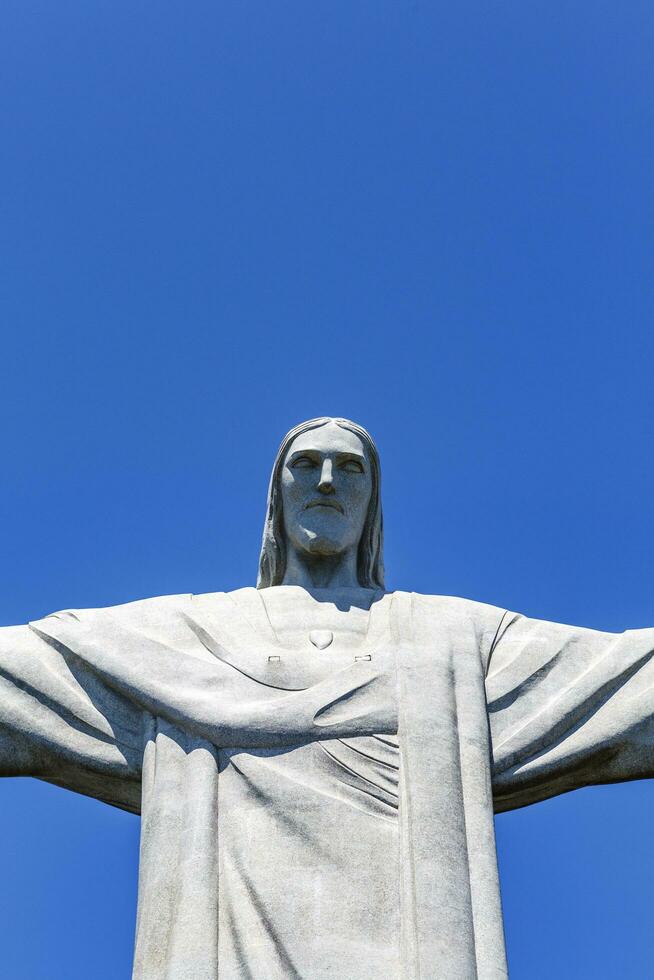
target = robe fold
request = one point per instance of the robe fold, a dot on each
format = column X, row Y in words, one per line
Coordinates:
column 156, row 705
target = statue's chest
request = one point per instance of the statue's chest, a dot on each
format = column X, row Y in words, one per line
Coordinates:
column 293, row 669
column 311, row 647
column 296, row 668
column 302, row 647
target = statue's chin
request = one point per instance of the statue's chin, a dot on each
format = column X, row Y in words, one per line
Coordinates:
column 319, row 545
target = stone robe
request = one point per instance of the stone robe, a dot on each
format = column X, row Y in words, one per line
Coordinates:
column 186, row 710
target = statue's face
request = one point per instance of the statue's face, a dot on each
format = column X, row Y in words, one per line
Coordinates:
column 326, row 484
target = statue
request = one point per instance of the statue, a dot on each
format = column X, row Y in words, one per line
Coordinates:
column 316, row 761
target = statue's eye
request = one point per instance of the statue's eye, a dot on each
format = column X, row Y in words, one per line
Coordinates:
column 303, row 463
column 352, row 466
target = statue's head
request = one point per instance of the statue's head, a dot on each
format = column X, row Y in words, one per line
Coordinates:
column 324, row 499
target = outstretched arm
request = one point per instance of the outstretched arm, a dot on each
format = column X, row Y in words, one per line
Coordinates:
column 60, row 723
column 568, row 707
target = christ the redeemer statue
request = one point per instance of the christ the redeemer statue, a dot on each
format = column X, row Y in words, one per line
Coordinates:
column 316, row 761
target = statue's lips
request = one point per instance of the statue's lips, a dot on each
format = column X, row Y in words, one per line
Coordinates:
column 332, row 504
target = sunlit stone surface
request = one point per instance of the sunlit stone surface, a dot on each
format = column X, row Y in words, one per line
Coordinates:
column 317, row 761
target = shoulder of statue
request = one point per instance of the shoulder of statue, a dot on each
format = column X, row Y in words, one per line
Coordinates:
column 455, row 612
column 135, row 611
column 453, row 603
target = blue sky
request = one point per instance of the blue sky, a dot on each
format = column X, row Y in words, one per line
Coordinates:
column 218, row 219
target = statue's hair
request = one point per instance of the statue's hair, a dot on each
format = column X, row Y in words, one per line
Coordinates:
column 370, row 556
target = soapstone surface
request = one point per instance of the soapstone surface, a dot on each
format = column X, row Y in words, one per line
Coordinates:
column 317, row 761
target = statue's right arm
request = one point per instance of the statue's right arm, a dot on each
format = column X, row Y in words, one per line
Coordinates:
column 62, row 724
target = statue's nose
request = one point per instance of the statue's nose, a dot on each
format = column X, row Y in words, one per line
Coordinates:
column 326, row 484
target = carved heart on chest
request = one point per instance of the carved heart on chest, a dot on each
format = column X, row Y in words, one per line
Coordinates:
column 321, row 639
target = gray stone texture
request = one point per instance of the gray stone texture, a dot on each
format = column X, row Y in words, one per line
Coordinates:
column 316, row 761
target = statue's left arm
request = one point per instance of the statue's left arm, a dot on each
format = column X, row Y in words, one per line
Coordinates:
column 568, row 707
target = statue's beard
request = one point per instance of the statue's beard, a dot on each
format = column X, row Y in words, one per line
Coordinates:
column 319, row 543
column 322, row 546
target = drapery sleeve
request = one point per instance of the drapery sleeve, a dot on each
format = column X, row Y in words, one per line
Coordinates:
column 61, row 723
column 568, row 707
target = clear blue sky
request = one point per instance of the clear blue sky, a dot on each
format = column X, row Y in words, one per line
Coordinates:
column 218, row 219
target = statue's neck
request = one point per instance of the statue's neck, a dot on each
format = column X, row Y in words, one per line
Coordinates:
column 321, row 571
